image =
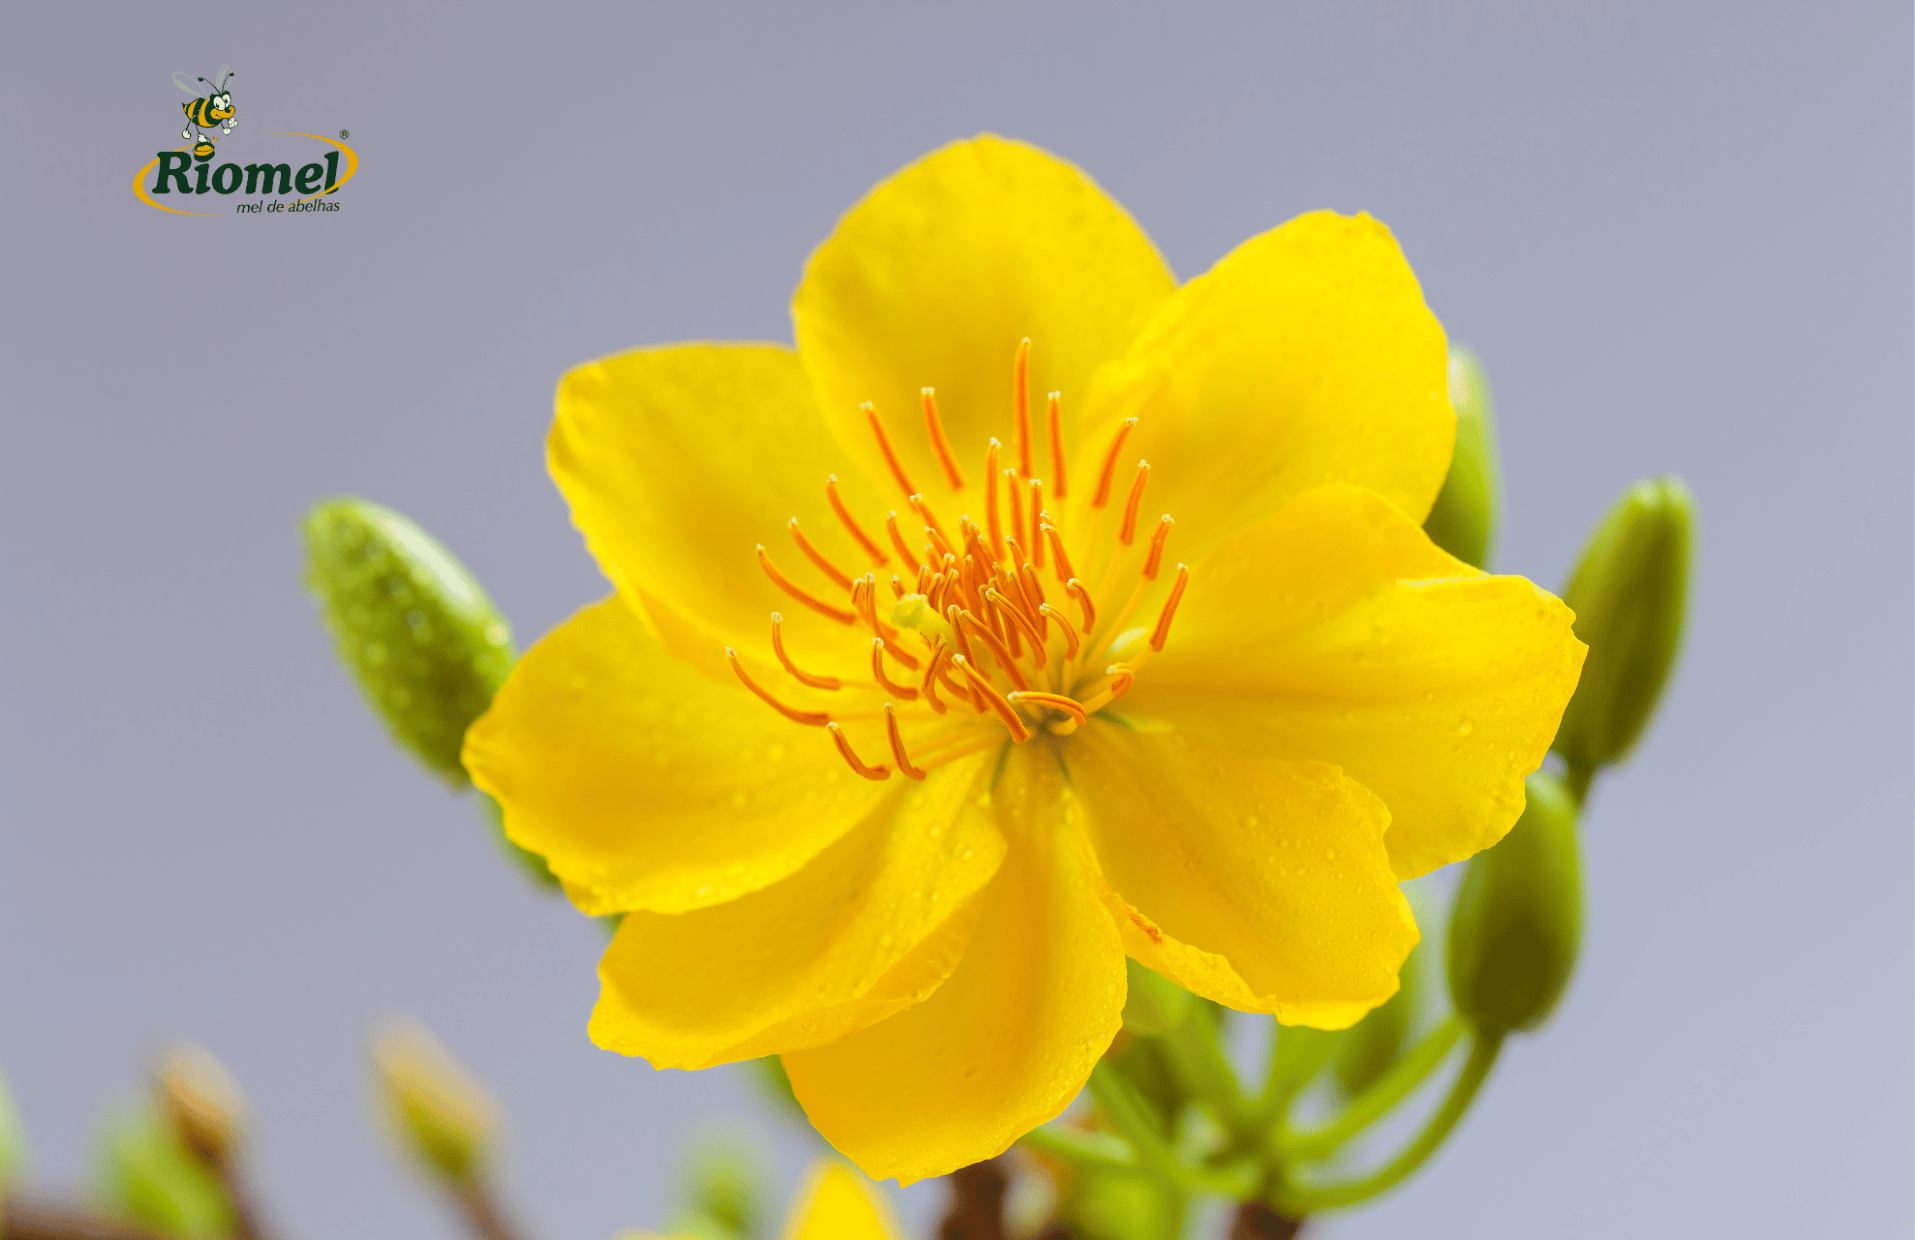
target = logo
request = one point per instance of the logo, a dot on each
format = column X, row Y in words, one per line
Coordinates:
column 181, row 179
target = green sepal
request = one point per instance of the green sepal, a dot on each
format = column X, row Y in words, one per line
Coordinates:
column 413, row 627
column 1630, row 593
column 1464, row 519
column 528, row 862
column 1153, row 1004
column 1367, row 1049
column 1517, row 922
column 769, row 1074
column 145, row 1174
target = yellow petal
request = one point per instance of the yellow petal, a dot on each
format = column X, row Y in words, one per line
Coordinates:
column 1305, row 356
column 1012, row 1035
column 1263, row 885
column 869, row 926
column 838, row 1205
column 934, row 278
column 644, row 784
column 1336, row 631
column 678, row 462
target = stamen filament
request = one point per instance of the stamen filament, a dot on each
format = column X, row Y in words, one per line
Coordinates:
column 884, row 446
column 1064, row 570
column 1023, row 622
column 981, row 685
column 857, row 532
column 803, row 677
column 930, row 520
column 928, row 686
column 996, row 647
column 897, row 586
column 1156, row 558
column 850, row 755
column 897, row 540
column 1056, row 701
column 1128, row 531
column 1057, row 442
column 1021, row 406
column 1110, row 463
column 1011, row 489
column 810, row 718
column 838, row 576
column 952, row 612
column 897, row 745
column 864, row 597
column 1037, row 521
column 990, row 498
column 1161, row 633
column 1076, row 590
column 884, row 682
column 1071, row 643
column 935, row 425
column 800, row 593
column 1119, row 684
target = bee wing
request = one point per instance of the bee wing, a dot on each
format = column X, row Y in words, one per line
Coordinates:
column 225, row 71
column 180, row 80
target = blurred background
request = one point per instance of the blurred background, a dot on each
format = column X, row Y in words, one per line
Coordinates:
column 1678, row 236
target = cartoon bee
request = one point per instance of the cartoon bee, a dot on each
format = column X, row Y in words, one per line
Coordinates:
column 215, row 108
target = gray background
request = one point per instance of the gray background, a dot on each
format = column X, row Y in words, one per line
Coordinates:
column 1678, row 234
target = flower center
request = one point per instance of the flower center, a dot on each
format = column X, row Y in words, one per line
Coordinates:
column 965, row 633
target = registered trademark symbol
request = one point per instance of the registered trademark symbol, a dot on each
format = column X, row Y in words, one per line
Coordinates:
column 344, row 134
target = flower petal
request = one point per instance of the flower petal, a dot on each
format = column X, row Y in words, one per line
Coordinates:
column 1336, row 631
column 1262, row 885
column 678, row 462
column 868, row 927
column 644, row 784
column 934, row 278
column 1012, row 1035
column 837, row 1205
column 1305, row 356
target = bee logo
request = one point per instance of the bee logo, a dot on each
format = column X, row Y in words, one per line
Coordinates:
column 207, row 112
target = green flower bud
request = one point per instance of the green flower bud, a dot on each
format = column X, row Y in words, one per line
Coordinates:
column 1629, row 595
column 201, row 1100
column 1367, row 1050
column 1463, row 519
column 441, row 1116
column 1154, row 1004
column 412, row 625
column 725, row 1188
column 13, row 1140
column 146, row 1175
column 1518, row 917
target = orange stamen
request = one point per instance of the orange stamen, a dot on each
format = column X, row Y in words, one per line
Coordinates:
column 897, row 540
column 1156, row 558
column 857, row 532
column 850, row 755
column 1121, row 679
column 884, row 446
column 1064, row 570
column 864, row 597
column 878, row 649
column 1033, row 588
column 1076, row 590
column 928, row 686
column 798, row 592
column 897, row 586
column 937, row 546
column 1161, row 633
column 897, row 745
column 810, row 718
column 1011, row 489
column 990, row 497
column 802, row 677
column 1057, row 442
column 981, row 685
column 1070, row 633
column 934, row 424
column 930, row 521
column 1021, row 406
column 1129, row 528
column 996, row 647
column 840, row 578
column 951, row 613
column 1056, row 701
column 1022, row 621
column 1038, row 518
column 1110, row 463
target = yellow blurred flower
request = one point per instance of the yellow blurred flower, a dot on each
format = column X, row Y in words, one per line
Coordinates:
column 914, row 711
column 835, row 1205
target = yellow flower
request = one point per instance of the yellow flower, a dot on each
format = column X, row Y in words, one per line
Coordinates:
column 835, row 1205
column 914, row 712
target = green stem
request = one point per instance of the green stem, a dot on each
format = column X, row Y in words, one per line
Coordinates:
column 1098, row 1150
column 1373, row 1103
column 1297, row 1053
column 1576, row 778
column 1301, row 1199
column 1127, row 1114
column 1199, row 1064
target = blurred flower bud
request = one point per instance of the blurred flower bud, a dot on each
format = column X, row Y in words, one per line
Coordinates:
column 1154, row 1004
column 13, row 1140
column 1518, row 917
column 202, row 1100
column 724, row 1190
column 438, row 1112
column 1629, row 594
column 1367, row 1050
column 1464, row 517
column 420, row 636
column 146, row 1175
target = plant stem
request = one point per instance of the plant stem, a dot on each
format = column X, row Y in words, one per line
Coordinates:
column 1370, row 1105
column 1096, row 1150
column 1297, row 1053
column 1126, row 1113
column 1301, row 1199
column 1199, row 1064
column 21, row 1219
column 484, row 1216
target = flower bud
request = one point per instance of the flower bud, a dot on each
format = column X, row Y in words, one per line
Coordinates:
column 1370, row 1046
column 1154, row 1004
column 725, row 1192
column 13, row 1140
column 1518, row 917
column 1463, row 519
column 201, row 1100
column 443, row 1118
column 145, row 1174
column 412, row 625
column 1629, row 594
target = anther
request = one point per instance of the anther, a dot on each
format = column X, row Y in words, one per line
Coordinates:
column 897, row 540
column 810, row 718
column 1057, row 442
column 798, row 592
column 1022, row 621
column 1064, row 570
column 1021, row 406
column 850, row 755
column 897, row 745
column 983, row 634
column 1037, row 520
column 1056, row 701
column 935, row 425
column 878, row 649
column 981, row 685
column 884, row 446
column 897, row 586
column 844, row 514
column 1110, row 463
column 838, row 576
column 802, row 677
column 1156, row 558
column 1011, row 489
column 1076, row 590
column 1161, row 633
column 1121, row 679
column 1129, row 529
column 1070, row 633
column 990, row 497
